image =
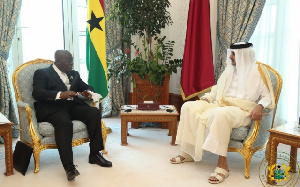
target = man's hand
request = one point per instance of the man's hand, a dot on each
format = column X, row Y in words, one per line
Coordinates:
column 68, row 95
column 87, row 94
column 257, row 112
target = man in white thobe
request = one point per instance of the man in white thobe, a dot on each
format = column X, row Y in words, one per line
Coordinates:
column 240, row 95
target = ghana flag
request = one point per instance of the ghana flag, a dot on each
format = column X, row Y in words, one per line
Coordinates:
column 95, row 47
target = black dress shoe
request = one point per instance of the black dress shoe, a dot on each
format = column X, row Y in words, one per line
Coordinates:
column 72, row 173
column 100, row 160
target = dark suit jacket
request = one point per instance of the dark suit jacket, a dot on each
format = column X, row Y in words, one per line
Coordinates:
column 46, row 85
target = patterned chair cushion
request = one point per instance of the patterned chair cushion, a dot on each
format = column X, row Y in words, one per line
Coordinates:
column 235, row 144
column 240, row 133
column 76, row 136
column 47, row 129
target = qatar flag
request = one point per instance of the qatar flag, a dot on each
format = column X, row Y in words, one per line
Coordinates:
column 197, row 74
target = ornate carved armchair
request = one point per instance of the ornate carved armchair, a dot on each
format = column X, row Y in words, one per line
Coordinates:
column 40, row 136
column 248, row 140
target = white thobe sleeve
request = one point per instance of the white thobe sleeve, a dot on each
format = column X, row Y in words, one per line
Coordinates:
column 211, row 96
column 265, row 97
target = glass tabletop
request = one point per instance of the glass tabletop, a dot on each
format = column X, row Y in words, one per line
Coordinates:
column 292, row 128
column 3, row 119
column 163, row 109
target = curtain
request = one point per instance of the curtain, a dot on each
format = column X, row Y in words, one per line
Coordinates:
column 117, row 95
column 9, row 13
column 236, row 22
column 276, row 41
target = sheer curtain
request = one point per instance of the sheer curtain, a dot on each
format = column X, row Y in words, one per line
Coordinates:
column 276, row 41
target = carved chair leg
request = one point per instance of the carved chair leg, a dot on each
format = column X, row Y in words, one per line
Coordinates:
column 103, row 128
column 36, row 156
column 247, row 162
column 104, row 136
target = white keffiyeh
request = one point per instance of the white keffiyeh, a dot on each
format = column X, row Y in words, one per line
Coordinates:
column 247, row 73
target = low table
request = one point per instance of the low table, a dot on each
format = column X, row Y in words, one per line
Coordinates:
column 129, row 113
column 288, row 134
column 5, row 132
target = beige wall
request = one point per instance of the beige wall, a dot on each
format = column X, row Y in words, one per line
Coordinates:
column 177, row 31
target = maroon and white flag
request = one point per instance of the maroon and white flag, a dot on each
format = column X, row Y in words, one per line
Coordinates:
column 197, row 72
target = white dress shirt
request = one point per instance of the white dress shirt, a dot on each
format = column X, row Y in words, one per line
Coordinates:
column 64, row 77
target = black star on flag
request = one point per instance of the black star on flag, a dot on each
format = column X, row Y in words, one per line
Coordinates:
column 94, row 22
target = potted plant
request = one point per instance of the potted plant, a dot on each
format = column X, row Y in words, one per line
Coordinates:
column 142, row 17
column 149, row 68
column 153, row 68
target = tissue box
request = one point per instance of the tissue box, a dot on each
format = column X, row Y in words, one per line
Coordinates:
column 148, row 105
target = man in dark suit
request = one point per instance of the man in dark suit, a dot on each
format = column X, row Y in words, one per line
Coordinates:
column 57, row 90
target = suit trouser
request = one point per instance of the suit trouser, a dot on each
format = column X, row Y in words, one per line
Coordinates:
column 62, row 122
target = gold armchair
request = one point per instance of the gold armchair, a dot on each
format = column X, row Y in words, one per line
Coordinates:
column 248, row 140
column 40, row 136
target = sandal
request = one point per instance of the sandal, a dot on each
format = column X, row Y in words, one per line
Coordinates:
column 217, row 175
column 178, row 160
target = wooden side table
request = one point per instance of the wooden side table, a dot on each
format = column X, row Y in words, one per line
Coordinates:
column 148, row 116
column 5, row 132
column 146, row 91
column 287, row 134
